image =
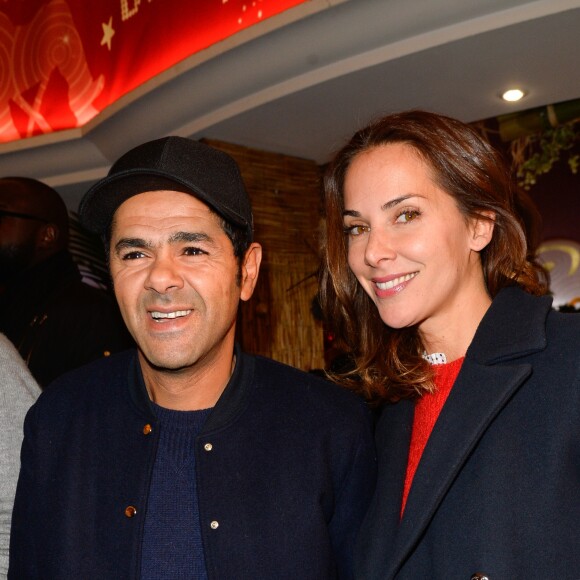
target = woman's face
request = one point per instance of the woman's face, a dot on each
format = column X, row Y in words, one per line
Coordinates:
column 409, row 246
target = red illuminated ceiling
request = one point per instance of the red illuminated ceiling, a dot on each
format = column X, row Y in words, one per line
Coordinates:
column 64, row 61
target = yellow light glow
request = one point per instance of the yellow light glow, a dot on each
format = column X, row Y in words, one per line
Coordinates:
column 513, row 95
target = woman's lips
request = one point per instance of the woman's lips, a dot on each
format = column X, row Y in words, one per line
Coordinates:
column 393, row 284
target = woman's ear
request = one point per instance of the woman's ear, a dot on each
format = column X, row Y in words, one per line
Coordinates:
column 482, row 230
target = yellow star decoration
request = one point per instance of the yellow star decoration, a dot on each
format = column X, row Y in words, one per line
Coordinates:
column 108, row 33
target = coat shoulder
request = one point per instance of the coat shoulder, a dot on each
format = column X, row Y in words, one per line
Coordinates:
column 301, row 390
column 274, row 374
column 563, row 326
column 93, row 382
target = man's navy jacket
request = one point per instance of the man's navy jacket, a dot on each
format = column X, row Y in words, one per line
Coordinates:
column 285, row 470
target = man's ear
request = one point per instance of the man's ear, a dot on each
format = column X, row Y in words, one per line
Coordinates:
column 47, row 236
column 482, row 230
column 250, row 270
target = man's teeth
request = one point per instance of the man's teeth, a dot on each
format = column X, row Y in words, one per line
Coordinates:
column 176, row 314
column 392, row 283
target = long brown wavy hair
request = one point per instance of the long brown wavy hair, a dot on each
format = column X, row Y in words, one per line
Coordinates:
column 388, row 363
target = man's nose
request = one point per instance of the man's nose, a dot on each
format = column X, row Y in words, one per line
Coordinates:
column 163, row 275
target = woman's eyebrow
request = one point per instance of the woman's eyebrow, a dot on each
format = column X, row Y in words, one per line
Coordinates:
column 351, row 213
column 397, row 201
column 385, row 206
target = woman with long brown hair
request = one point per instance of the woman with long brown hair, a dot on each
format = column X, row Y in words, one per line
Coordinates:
column 428, row 281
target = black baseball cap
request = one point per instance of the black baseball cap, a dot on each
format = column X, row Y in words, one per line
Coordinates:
column 174, row 164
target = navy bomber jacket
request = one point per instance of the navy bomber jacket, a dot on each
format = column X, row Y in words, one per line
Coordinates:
column 285, row 470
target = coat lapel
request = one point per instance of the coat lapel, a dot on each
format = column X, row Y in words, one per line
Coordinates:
column 514, row 326
column 477, row 397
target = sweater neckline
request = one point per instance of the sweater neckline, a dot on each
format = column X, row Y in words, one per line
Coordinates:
column 176, row 419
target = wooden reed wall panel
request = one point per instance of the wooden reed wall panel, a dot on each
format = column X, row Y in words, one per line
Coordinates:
column 285, row 193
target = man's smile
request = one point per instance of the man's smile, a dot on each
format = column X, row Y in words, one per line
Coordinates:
column 159, row 316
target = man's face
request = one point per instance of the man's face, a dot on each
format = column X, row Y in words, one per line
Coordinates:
column 17, row 234
column 175, row 278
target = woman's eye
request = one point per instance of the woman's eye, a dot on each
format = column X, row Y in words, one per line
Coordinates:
column 356, row 230
column 407, row 216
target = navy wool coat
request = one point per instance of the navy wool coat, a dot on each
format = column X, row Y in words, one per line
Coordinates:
column 497, row 491
column 285, row 471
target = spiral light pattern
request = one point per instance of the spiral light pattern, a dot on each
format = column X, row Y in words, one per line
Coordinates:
column 30, row 54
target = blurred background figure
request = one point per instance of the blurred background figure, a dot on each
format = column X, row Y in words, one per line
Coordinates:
column 18, row 390
column 56, row 322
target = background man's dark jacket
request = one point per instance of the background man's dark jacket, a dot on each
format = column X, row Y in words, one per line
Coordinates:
column 497, row 490
column 57, row 322
column 287, row 476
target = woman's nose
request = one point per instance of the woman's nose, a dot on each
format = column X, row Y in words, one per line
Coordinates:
column 379, row 247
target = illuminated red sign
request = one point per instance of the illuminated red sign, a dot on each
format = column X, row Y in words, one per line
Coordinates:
column 64, row 61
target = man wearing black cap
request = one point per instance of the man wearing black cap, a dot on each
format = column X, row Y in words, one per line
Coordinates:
column 187, row 458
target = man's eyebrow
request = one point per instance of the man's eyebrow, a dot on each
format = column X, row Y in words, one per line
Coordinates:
column 385, row 206
column 125, row 243
column 178, row 237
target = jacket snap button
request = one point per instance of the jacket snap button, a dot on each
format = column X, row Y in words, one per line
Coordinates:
column 214, row 525
column 208, row 446
column 130, row 511
column 147, row 429
column 479, row 576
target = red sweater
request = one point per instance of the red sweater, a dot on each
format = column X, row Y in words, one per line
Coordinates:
column 427, row 411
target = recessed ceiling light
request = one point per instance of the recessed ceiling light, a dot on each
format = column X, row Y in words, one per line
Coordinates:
column 513, row 95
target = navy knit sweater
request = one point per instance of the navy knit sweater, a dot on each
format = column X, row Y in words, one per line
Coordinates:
column 172, row 546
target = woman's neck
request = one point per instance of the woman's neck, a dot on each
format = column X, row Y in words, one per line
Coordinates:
column 453, row 332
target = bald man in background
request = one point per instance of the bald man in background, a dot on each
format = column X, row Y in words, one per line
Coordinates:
column 56, row 321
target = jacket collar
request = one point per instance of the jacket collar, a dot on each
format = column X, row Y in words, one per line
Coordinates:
column 230, row 404
column 513, row 327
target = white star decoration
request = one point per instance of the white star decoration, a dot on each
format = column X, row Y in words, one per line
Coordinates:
column 108, row 33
